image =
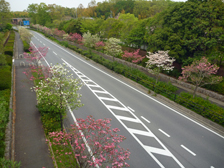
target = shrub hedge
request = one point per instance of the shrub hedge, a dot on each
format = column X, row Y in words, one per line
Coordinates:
column 5, row 76
column 197, row 104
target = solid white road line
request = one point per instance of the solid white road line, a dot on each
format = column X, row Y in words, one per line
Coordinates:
column 132, row 87
column 164, row 133
column 145, row 119
column 188, row 150
column 130, row 109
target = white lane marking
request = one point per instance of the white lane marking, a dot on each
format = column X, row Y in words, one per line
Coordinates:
column 164, row 133
column 145, row 119
column 48, row 48
column 55, row 53
column 43, row 43
column 188, row 150
column 132, row 88
column 212, row 167
column 40, row 54
column 84, row 139
column 130, row 109
column 150, row 150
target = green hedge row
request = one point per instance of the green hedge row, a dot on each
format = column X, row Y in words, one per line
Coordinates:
column 5, row 88
column 197, row 104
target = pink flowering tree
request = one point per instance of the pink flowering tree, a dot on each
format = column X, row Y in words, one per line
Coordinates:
column 100, row 45
column 75, row 37
column 36, row 70
column 132, row 56
column 200, row 73
column 58, row 33
column 94, row 143
column 159, row 61
column 35, row 55
column 34, row 73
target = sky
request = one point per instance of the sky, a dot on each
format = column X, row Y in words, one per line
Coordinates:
column 20, row 5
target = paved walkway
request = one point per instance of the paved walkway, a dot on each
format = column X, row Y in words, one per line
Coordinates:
column 30, row 146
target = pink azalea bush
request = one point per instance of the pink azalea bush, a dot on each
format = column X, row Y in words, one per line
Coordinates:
column 132, row 56
column 94, row 143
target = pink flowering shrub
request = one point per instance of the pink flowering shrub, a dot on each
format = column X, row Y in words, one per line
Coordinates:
column 99, row 45
column 94, row 143
column 132, row 56
column 59, row 33
column 75, row 37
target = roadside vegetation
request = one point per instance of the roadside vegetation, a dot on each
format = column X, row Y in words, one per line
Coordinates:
column 201, row 106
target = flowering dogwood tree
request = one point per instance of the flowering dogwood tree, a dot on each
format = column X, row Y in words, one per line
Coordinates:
column 90, row 40
column 132, row 56
column 25, row 34
column 200, row 73
column 94, row 143
column 35, row 55
column 159, row 61
column 112, row 47
column 58, row 91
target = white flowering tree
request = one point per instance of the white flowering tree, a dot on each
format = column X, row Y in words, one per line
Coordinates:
column 58, row 91
column 112, row 47
column 25, row 34
column 159, row 61
column 90, row 40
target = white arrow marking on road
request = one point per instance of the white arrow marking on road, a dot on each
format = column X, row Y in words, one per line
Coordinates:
column 188, row 150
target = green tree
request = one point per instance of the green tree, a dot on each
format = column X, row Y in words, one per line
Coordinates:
column 5, row 14
column 112, row 47
column 111, row 28
column 32, row 10
column 129, row 21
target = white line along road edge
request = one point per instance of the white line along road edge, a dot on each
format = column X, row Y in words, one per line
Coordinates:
column 84, row 139
column 132, row 87
column 150, row 150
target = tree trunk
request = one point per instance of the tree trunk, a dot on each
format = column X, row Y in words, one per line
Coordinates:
column 195, row 89
column 61, row 123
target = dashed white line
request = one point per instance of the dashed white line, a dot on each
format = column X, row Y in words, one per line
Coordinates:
column 48, row 48
column 55, row 53
column 145, row 119
column 212, row 167
column 164, row 133
column 132, row 87
column 188, row 150
column 43, row 43
column 130, row 109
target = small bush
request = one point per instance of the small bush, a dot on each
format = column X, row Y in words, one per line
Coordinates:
column 5, row 78
column 202, row 107
column 50, row 123
column 26, row 46
column 219, row 88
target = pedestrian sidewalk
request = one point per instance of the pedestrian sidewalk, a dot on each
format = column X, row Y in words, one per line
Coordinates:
column 31, row 148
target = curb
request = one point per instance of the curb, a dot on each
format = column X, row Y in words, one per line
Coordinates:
column 9, row 132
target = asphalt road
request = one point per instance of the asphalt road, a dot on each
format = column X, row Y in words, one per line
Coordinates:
column 157, row 135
